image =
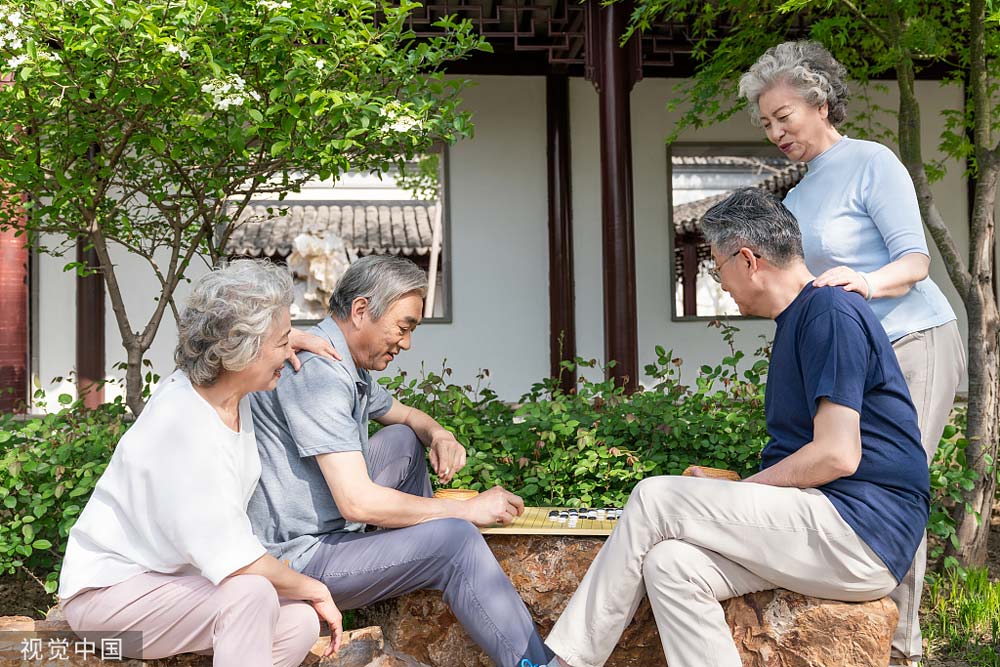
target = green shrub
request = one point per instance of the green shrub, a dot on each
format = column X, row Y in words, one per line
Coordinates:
column 961, row 616
column 950, row 477
column 48, row 468
column 590, row 446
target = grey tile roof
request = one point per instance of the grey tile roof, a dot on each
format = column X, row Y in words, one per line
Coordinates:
column 727, row 161
column 398, row 227
column 686, row 216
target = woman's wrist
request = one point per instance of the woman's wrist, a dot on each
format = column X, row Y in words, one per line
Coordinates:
column 869, row 294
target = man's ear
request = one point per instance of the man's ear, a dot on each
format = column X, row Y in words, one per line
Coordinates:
column 359, row 309
column 746, row 254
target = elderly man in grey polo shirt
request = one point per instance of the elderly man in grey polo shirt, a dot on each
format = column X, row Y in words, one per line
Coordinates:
column 323, row 480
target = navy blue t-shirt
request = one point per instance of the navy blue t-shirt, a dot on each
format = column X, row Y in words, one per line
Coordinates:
column 829, row 344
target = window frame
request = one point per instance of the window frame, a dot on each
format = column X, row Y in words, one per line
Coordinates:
column 762, row 148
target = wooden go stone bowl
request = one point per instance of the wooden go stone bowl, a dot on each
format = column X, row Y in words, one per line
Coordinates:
column 714, row 473
column 455, row 494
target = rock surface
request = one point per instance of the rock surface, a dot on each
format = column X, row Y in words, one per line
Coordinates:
column 361, row 648
column 772, row 629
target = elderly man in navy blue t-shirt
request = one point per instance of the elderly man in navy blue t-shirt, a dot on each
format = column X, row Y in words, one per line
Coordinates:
column 841, row 500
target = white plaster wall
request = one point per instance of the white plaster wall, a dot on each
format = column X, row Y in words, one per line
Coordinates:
column 56, row 335
column 499, row 243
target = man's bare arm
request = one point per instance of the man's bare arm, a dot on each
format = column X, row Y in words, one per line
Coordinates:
column 835, row 451
column 362, row 500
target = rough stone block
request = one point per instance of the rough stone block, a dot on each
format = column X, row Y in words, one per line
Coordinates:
column 771, row 629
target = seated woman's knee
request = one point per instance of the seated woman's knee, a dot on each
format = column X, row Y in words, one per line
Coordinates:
column 250, row 590
column 303, row 622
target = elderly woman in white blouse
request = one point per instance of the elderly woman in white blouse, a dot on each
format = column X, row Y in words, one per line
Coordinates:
column 164, row 545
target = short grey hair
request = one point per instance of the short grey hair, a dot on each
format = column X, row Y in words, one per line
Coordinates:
column 754, row 219
column 228, row 315
column 382, row 279
column 809, row 68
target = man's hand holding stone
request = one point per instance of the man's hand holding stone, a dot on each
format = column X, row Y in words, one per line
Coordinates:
column 494, row 506
column 447, row 455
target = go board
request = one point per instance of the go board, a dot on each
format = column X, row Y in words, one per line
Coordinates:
column 535, row 521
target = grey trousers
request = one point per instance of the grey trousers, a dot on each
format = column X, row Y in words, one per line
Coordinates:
column 447, row 555
column 933, row 362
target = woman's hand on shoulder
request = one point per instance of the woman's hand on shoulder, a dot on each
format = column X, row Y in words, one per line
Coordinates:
column 300, row 340
column 851, row 280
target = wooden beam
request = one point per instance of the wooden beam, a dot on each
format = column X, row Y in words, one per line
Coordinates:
column 562, row 302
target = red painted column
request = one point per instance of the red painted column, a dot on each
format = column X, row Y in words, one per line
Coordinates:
column 13, row 316
column 13, row 322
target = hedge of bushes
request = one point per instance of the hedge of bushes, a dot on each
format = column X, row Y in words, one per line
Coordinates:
column 586, row 447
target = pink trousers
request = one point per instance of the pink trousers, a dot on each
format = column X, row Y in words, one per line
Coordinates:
column 241, row 622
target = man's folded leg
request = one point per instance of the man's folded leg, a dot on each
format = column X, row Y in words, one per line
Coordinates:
column 783, row 537
column 448, row 555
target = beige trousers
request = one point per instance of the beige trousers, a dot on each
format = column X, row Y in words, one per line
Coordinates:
column 241, row 622
column 933, row 362
column 688, row 543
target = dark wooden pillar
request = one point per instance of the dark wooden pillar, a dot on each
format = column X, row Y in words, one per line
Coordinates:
column 562, row 302
column 689, row 264
column 89, row 328
column 13, row 322
column 614, row 70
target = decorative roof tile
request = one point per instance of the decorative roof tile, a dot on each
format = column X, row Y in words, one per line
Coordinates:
column 397, row 227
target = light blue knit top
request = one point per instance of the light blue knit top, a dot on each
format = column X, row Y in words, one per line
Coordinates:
column 857, row 207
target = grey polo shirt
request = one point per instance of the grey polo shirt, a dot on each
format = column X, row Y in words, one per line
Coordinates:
column 323, row 408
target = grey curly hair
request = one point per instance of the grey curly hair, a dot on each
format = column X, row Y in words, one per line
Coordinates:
column 808, row 67
column 227, row 316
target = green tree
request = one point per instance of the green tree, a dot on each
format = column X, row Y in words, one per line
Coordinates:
column 894, row 40
column 151, row 125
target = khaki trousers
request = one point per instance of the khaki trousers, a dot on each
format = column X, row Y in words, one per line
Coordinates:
column 241, row 622
column 933, row 362
column 688, row 543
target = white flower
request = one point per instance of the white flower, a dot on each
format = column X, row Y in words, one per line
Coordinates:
column 228, row 92
column 15, row 19
column 16, row 61
column 404, row 124
column 320, row 64
column 273, row 6
column 173, row 48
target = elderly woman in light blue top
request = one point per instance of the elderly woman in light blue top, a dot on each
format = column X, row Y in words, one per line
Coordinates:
column 861, row 228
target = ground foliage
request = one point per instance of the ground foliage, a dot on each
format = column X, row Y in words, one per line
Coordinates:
column 590, row 446
column 587, row 447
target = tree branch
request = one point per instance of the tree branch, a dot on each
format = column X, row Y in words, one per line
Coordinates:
column 911, row 154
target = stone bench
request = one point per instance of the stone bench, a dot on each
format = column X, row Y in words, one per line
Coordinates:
column 360, row 648
column 771, row 629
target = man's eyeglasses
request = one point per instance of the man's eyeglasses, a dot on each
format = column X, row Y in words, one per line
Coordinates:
column 714, row 272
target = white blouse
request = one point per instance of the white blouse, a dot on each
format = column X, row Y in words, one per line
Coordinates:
column 173, row 498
